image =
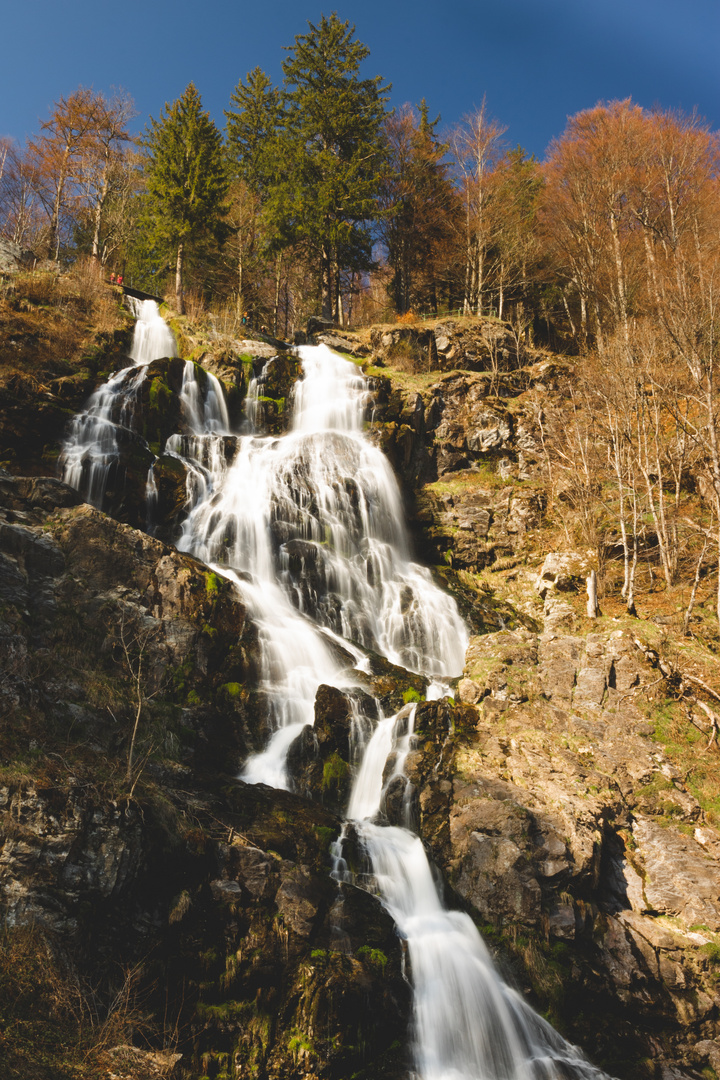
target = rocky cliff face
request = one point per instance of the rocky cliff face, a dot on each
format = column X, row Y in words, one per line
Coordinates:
column 219, row 890
column 548, row 794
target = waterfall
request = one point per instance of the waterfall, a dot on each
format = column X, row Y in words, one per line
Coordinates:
column 309, row 527
column 468, row 1023
column 97, row 435
column 93, row 444
column 152, row 338
column 203, row 414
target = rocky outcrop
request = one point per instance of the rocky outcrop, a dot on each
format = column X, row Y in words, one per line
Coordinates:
column 469, row 526
column 462, row 430
column 13, row 257
column 449, row 345
column 276, row 378
column 255, row 952
column 255, row 945
column 572, row 838
column 35, row 413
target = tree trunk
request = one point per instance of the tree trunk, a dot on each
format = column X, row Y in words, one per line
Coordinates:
column 54, row 235
column 620, row 278
column 480, row 276
column 467, row 302
column 336, row 297
column 179, row 297
column 567, row 312
column 326, row 283
column 240, row 268
column 276, row 305
column 592, row 601
column 98, row 216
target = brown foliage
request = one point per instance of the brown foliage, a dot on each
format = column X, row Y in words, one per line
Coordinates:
column 628, row 195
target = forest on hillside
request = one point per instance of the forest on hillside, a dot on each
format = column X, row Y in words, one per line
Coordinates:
column 317, row 197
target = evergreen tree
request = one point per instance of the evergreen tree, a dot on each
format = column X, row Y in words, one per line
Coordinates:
column 330, row 155
column 252, row 123
column 186, row 177
column 515, row 254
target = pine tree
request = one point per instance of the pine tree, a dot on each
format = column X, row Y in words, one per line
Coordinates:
column 186, row 177
column 252, row 125
column 331, row 153
column 251, row 128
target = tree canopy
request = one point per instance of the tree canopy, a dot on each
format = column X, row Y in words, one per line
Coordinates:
column 186, row 177
column 331, row 153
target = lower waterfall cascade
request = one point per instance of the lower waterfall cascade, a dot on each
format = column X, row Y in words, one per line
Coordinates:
column 309, row 527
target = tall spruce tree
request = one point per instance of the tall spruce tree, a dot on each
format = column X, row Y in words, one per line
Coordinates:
column 330, row 154
column 252, row 125
column 186, row 177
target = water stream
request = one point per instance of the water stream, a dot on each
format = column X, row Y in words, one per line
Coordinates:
column 468, row 1023
column 96, row 435
column 310, row 528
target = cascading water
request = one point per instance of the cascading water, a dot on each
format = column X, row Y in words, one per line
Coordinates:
column 93, row 444
column 468, row 1024
column 309, row 527
column 153, row 337
column 97, row 435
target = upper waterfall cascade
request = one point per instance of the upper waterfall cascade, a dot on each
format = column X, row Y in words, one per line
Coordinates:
column 93, row 446
column 310, row 528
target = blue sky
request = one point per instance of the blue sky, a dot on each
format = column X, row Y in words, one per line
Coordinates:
column 538, row 61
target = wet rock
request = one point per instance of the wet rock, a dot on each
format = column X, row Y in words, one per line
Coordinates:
column 390, row 684
column 165, row 516
column 298, row 900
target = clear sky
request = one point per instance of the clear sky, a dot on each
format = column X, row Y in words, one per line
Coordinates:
column 538, row 61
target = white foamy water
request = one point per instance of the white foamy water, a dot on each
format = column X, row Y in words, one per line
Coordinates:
column 467, row 1023
column 152, row 338
column 92, row 447
column 96, row 435
column 309, row 527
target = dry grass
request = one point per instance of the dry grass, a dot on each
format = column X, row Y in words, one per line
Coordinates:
column 48, row 319
column 52, row 1025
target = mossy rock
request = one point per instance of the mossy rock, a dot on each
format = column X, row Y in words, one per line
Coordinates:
column 389, row 683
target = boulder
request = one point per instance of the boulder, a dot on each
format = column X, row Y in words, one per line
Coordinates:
column 318, row 324
column 13, row 257
column 563, row 572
